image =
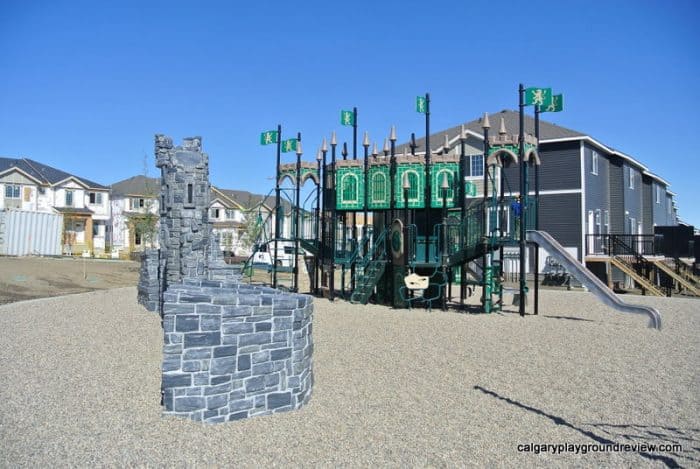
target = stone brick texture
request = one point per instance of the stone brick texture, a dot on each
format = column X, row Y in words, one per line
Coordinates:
column 231, row 350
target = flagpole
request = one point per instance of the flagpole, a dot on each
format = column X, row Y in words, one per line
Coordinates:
column 334, row 214
column 523, row 195
column 354, row 212
column 463, row 209
column 427, row 176
column 296, row 225
column 537, row 209
column 277, row 205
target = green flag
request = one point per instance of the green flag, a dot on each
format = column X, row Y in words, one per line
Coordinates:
column 268, row 137
column 421, row 104
column 541, row 96
column 556, row 105
column 347, row 118
column 289, row 145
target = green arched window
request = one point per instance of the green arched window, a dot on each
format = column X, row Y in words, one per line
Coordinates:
column 378, row 187
column 413, row 184
column 450, row 183
column 349, row 188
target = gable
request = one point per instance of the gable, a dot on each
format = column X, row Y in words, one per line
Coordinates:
column 17, row 177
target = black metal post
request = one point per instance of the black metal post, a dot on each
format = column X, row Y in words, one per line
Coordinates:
column 523, row 197
column 427, row 197
column 537, row 210
column 484, row 219
column 344, row 215
column 333, row 221
column 277, row 206
column 317, row 229
column 365, row 144
column 405, row 209
column 463, row 211
column 444, row 244
column 295, row 285
column 392, row 173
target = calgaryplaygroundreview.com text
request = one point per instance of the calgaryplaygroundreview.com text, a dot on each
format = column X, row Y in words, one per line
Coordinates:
column 539, row 448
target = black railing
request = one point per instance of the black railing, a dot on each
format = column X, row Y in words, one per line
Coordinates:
column 620, row 245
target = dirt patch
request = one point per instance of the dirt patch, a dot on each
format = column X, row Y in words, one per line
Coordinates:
column 25, row 278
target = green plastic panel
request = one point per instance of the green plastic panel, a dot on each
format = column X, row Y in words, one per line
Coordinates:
column 379, row 191
column 350, row 192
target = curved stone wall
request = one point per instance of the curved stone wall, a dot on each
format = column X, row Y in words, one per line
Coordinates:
column 233, row 351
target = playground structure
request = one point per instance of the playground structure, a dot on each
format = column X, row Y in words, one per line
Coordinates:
column 404, row 229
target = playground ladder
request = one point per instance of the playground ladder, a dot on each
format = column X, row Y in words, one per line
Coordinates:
column 369, row 270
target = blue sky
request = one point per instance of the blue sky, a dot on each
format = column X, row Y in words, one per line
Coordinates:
column 85, row 85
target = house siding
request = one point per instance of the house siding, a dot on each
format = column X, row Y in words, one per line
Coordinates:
column 633, row 197
column 560, row 169
column 647, row 205
column 617, row 200
column 597, row 186
column 560, row 216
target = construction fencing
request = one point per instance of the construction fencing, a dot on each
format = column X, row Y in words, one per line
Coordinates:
column 30, row 233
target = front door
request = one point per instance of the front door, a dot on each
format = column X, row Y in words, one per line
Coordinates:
column 79, row 230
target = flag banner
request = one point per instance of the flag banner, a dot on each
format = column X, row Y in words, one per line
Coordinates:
column 268, row 137
column 538, row 96
column 421, row 104
column 347, row 118
column 556, row 105
column 289, row 145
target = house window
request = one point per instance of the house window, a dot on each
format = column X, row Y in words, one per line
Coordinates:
column 215, row 213
column 69, row 198
column 657, row 193
column 594, row 163
column 597, row 222
column 12, row 191
column 631, row 178
column 137, row 238
column 606, row 221
column 230, row 214
column 378, row 187
column 190, row 194
column 95, row 198
column 477, row 165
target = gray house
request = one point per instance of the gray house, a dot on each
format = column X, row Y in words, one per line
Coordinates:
column 587, row 188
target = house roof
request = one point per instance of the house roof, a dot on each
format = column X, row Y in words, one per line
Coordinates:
column 511, row 119
column 43, row 173
column 136, row 185
column 549, row 133
column 250, row 201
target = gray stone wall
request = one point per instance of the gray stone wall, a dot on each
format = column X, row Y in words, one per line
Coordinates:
column 185, row 231
column 230, row 350
column 234, row 351
column 149, row 280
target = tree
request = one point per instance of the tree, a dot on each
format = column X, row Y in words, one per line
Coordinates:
column 145, row 224
column 251, row 229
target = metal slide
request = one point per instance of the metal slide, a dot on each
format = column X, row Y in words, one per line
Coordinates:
column 589, row 280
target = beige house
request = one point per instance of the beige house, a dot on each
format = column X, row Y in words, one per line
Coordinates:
column 28, row 185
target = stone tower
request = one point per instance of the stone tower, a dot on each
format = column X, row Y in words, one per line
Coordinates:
column 185, row 231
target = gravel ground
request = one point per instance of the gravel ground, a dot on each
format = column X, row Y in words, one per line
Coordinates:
column 80, row 387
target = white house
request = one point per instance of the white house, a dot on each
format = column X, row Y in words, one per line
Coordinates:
column 135, row 210
column 35, row 187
